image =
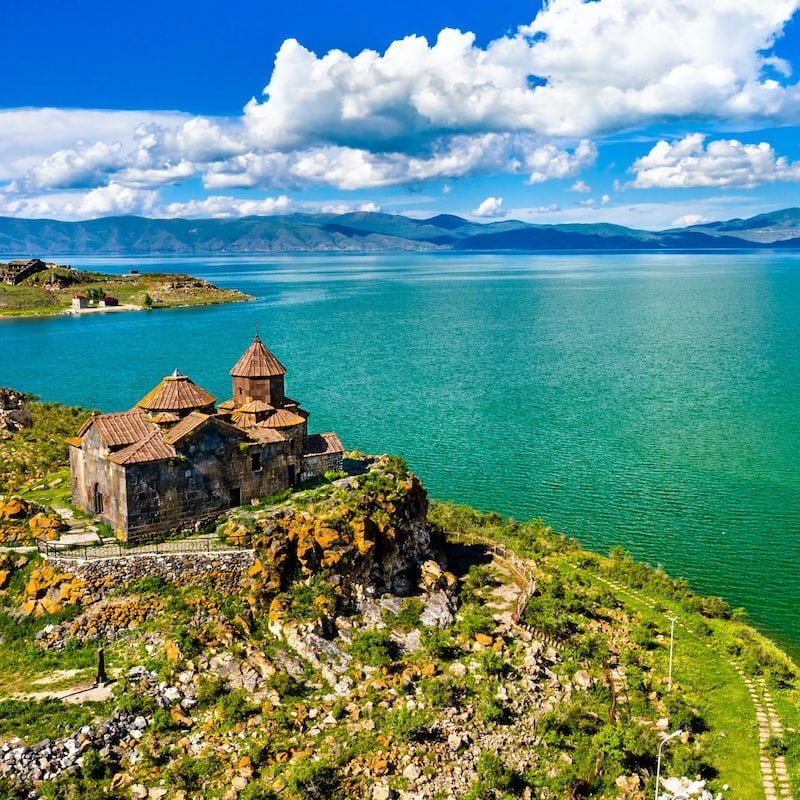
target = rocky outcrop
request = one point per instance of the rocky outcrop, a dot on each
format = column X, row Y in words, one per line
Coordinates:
column 49, row 590
column 49, row 759
column 22, row 521
column 369, row 533
column 14, row 412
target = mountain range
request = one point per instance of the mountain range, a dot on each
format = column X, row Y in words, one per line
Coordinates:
column 362, row 232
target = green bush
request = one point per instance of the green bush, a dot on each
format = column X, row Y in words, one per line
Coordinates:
column 209, row 689
column 472, row 620
column 314, row 780
column 374, row 648
column 409, row 614
column 439, row 644
column 236, row 706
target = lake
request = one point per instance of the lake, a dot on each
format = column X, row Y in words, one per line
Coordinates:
column 648, row 400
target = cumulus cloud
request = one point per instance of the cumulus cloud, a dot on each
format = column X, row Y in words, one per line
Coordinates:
column 528, row 103
column 580, row 186
column 224, row 207
column 600, row 66
column 723, row 163
column 349, row 168
column 687, row 220
column 347, row 208
column 490, row 207
column 28, row 136
column 104, row 201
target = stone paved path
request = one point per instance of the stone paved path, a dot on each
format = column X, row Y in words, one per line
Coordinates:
column 774, row 775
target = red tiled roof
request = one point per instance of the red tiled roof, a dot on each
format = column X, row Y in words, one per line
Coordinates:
column 117, row 430
column 243, row 419
column 163, row 417
column 263, row 435
column 256, row 407
column 187, row 425
column 257, row 362
column 283, row 418
column 153, row 448
column 322, row 444
column 176, row 393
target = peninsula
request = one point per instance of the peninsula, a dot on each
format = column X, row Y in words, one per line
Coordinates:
column 345, row 637
column 35, row 288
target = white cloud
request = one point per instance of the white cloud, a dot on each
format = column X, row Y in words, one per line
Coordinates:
column 28, row 136
column 224, row 207
column 602, row 66
column 348, row 168
column 605, row 199
column 81, row 166
column 687, row 220
column 721, row 163
column 347, row 208
column 447, row 109
column 550, row 161
column 111, row 200
column 490, row 207
column 580, row 186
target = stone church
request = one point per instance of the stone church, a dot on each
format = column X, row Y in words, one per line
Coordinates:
column 176, row 459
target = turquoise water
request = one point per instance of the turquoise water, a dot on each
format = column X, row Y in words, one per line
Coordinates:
column 644, row 400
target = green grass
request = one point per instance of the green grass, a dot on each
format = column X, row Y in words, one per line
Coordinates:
column 705, row 680
column 34, row 720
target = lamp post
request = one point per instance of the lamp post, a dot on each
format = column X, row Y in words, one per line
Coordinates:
column 671, row 643
column 658, row 762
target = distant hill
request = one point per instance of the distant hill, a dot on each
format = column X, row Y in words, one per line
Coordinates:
column 776, row 226
column 367, row 232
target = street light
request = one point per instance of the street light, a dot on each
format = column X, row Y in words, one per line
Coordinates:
column 671, row 641
column 658, row 763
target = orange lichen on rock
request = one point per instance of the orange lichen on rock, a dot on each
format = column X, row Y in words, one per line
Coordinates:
column 49, row 590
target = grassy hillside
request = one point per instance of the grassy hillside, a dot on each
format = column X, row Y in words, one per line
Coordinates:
column 347, row 665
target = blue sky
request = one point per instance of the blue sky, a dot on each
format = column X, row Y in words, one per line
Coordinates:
column 648, row 113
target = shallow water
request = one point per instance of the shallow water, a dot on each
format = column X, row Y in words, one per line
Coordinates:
column 649, row 400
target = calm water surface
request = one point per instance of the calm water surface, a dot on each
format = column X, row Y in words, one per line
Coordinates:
column 647, row 400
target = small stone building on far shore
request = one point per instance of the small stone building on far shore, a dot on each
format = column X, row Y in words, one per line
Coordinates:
column 176, row 459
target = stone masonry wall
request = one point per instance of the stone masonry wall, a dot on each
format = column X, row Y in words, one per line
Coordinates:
column 222, row 570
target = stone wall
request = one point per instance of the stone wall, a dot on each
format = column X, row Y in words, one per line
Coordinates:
column 223, row 570
column 314, row 465
column 212, row 474
column 94, row 475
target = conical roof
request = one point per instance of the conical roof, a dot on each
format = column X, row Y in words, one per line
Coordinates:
column 176, row 393
column 257, row 362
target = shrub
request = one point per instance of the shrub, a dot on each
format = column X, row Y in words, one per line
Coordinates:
column 209, row 689
column 93, row 766
column 313, row 780
column 475, row 619
column 409, row 614
column 374, row 648
column 439, row 644
column 236, row 706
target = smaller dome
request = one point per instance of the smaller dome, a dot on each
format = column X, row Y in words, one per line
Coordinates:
column 176, row 393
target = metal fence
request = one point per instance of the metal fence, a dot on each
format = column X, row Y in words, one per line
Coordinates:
column 522, row 568
column 89, row 552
